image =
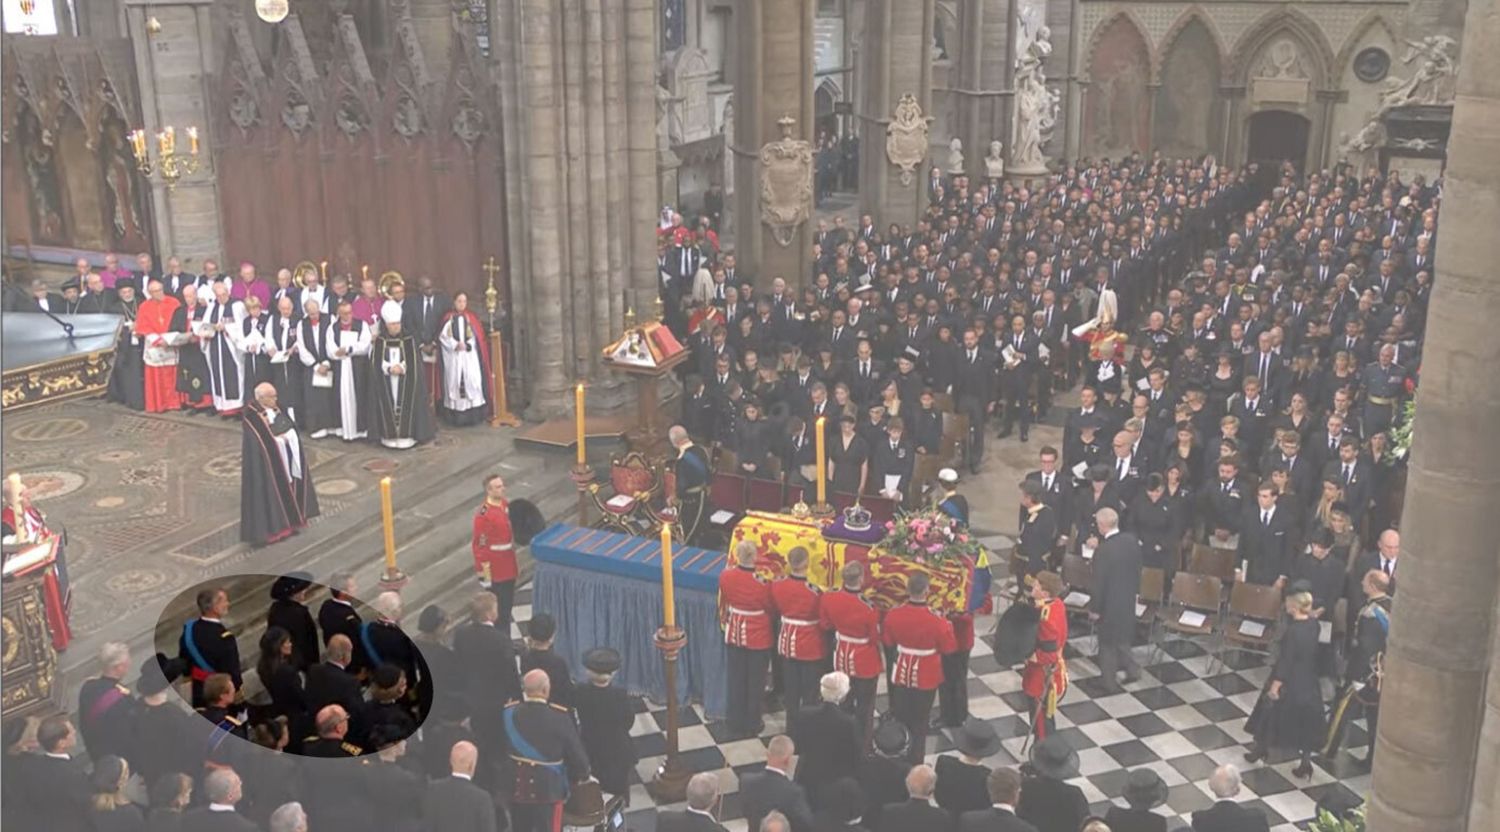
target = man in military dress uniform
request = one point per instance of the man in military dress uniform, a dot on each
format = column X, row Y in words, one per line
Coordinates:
column 693, row 474
column 219, row 693
column 800, row 642
column 494, row 547
column 1038, row 528
column 745, row 614
column 604, row 720
column 384, row 642
column 855, row 624
column 920, row 636
column 337, row 616
column 546, row 757
column 951, row 502
column 1366, row 665
column 1384, row 383
column 207, row 645
column 335, row 794
column 105, row 707
column 1044, row 679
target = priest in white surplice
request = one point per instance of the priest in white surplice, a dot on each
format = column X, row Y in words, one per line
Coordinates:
column 465, row 393
column 216, row 331
column 338, row 358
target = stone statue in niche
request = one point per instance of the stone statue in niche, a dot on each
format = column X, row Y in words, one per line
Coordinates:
column 125, row 207
column 1432, row 83
column 1036, row 105
column 1283, row 60
column 994, row 163
column 956, row 156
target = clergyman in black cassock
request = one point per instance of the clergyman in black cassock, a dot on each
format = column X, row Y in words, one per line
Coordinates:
column 400, row 413
column 127, row 381
column 276, row 490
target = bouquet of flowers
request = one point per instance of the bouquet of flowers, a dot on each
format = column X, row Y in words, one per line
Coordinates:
column 1401, row 434
column 929, row 537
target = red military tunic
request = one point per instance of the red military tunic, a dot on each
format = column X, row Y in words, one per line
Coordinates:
column 919, row 636
column 856, row 629
column 745, row 609
column 493, row 543
column 1051, row 637
column 797, row 602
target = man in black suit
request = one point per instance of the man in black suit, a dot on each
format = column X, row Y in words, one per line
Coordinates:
column 1117, row 581
column 918, row 812
column 1226, row 815
column 333, row 683
column 1016, row 373
column 974, row 393
column 223, row 789
column 1267, row 539
column 892, row 456
column 772, row 790
column 1353, row 472
column 52, row 788
column 1005, row 792
column 830, row 739
column 702, row 797
column 454, row 803
column 491, row 678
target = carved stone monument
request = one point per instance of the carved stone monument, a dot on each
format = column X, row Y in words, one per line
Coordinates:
column 1035, row 106
column 1431, row 85
column 994, row 163
column 956, row 157
column 906, row 137
column 786, row 169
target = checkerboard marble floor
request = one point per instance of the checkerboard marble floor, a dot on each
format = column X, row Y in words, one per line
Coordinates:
column 1182, row 719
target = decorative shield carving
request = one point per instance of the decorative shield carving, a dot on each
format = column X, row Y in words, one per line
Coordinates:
column 786, row 171
column 906, row 137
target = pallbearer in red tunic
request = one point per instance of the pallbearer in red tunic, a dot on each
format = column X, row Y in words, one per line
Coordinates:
column 855, row 624
column 153, row 326
column 921, row 637
column 800, row 643
column 745, row 614
column 495, row 549
column 1045, row 678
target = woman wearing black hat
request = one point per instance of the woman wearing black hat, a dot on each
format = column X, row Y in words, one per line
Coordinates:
column 1047, row 802
column 110, row 809
column 962, row 780
column 1289, row 713
column 1144, row 790
column 289, row 612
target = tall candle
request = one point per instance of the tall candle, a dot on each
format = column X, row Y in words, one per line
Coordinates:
column 388, row 519
column 323, row 271
column 668, row 601
column 364, row 272
column 578, row 417
column 822, row 462
column 193, row 140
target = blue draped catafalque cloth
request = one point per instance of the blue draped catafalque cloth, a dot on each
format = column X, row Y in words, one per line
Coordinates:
column 604, row 590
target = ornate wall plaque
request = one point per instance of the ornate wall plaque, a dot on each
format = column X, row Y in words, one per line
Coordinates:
column 906, row 137
column 786, row 168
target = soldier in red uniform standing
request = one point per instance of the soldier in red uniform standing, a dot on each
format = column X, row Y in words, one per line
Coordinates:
column 495, row 549
column 920, row 637
column 745, row 609
column 801, row 641
column 1045, row 677
column 855, row 624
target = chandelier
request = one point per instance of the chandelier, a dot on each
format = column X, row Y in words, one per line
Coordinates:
column 169, row 165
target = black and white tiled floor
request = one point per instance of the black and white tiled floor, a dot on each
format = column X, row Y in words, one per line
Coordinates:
column 1185, row 717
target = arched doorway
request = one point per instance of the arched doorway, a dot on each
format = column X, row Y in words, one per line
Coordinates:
column 824, row 98
column 1278, row 136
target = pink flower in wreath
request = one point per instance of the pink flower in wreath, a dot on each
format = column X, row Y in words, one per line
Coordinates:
column 963, row 538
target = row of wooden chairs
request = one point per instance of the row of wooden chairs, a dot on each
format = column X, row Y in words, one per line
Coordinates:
column 1195, row 607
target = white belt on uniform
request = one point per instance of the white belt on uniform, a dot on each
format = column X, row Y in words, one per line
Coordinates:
column 850, row 639
column 738, row 611
column 912, row 651
column 797, row 622
column 502, row 547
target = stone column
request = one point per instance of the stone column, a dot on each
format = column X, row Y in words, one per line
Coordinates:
column 640, row 69
column 171, row 67
column 896, row 61
column 1435, row 715
column 986, row 67
column 774, row 81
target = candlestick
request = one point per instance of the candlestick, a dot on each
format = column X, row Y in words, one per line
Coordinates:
column 364, row 272
column 822, row 462
column 389, row 521
column 193, row 140
column 161, row 142
column 578, row 417
column 323, row 272
column 668, row 600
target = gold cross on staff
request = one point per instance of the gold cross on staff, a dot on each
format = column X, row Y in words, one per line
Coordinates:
column 491, row 267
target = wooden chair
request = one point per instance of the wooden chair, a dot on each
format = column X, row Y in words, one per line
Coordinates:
column 1202, row 594
column 955, row 434
column 726, row 492
column 1253, row 603
column 1078, row 576
column 1150, row 597
column 1206, row 560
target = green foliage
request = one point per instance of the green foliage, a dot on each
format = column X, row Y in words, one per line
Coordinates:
column 1353, row 821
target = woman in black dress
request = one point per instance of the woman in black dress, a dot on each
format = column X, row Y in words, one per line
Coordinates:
column 1152, row 520
column 289, row 612
column 283, row 682
column 110, row 809
column 849, row 459
column 1289, row 714
column 1224, row 381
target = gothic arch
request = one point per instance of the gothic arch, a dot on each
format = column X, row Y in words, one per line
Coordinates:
column 1291, row 24
column 1358, row 33
column 1188, row 105
column 1194, row 13
column 1107, row 25
column 1117, row 95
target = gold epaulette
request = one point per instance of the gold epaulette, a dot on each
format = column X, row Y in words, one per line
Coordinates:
column 483, row 507
column 122, row 689
column 352, row 749
column 232, row 721
column 226, row 634
column 557, row 707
